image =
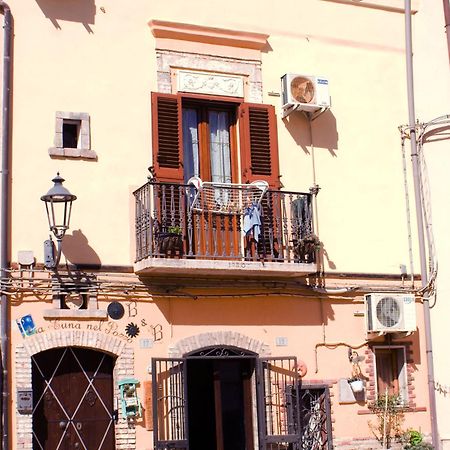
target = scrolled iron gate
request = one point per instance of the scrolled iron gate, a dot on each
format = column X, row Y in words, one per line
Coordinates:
column 315, row 418
column 289, row 416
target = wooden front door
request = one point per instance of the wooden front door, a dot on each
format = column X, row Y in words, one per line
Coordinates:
column 72, row 400
column 220, row 403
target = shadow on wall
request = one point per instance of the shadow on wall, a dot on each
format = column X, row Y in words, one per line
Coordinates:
column 82, row 11
column 250, row 311
column 77, row 251
column 323, row 130
column 323, row 263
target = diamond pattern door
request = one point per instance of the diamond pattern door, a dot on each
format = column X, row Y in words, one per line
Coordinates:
column 72, row 400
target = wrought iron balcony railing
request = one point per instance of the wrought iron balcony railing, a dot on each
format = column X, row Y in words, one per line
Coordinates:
column 170, row 225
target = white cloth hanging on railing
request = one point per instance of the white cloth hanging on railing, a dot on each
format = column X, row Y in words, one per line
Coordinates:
column 252, row 221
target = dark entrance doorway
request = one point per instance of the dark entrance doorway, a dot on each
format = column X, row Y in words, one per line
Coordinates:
column 227, row 398
column 72, row 400
column 220, row 403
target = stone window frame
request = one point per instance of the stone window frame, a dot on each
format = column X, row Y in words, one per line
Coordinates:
column 170, row 62
column 90, row 312
column 83, row 151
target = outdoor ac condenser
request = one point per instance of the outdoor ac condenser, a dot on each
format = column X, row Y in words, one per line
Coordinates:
column 305, row 92
column 390, row 313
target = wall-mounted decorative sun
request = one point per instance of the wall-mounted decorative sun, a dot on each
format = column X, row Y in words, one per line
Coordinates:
column 132, row 330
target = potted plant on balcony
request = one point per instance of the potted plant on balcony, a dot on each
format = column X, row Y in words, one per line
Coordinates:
column 305, row 249
column 171, row 241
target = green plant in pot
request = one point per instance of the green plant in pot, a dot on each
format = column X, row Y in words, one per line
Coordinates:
column 174, row 230
column 413, row 440
column 171, row 241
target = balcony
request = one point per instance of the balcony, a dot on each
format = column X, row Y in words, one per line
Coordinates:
column 226, row 235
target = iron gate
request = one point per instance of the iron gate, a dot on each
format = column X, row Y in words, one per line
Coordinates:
column 315, row 418
column 169, row 404
column 278, row 404
column 286, row 420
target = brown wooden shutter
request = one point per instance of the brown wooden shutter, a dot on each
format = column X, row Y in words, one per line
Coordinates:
column 167, row 137
column 259, row 144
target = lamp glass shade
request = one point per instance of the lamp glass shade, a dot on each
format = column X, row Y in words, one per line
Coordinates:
column 58, row 202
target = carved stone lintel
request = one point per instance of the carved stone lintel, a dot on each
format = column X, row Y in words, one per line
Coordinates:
column 210, row 83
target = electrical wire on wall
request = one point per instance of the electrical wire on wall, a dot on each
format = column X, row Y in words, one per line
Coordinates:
column 438, row 129
column 424, row 132
column 426, row 202
column 38, row 285
column 315, row 187
column 408, row 208
column 314, row 190
column 332, row 346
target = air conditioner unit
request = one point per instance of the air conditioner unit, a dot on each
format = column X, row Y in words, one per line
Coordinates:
column 390, row 313
column 305, row 92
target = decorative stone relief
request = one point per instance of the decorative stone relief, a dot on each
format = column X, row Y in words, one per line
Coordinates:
column 169, row 63
column 210, row 83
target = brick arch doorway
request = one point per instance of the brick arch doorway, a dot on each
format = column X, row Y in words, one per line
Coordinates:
column 225, row 398
column 125, row 435
column 223, row 378
column 73, row 399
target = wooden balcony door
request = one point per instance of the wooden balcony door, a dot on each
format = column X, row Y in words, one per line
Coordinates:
column 210, row 152
column 197, row 136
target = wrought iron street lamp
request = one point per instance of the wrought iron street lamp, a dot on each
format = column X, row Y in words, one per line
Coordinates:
column 58, row 202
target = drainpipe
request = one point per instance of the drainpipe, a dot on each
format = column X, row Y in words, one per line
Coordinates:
column 420, row 227
column 5, row 233
column 447, row 24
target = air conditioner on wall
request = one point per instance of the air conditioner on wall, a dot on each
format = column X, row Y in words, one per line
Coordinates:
column 305, row 92
column 390, row 313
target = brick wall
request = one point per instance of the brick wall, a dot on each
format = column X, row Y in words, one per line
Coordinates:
column 370, row 372
column 230, row 338
column 124, row 367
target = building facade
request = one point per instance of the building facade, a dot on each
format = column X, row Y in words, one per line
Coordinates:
column 432, row 56
column 230, row 263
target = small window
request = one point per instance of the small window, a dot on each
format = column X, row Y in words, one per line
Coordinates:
column 74, row 298
column 72, row 136
column 71, row 133
column 391, row 372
